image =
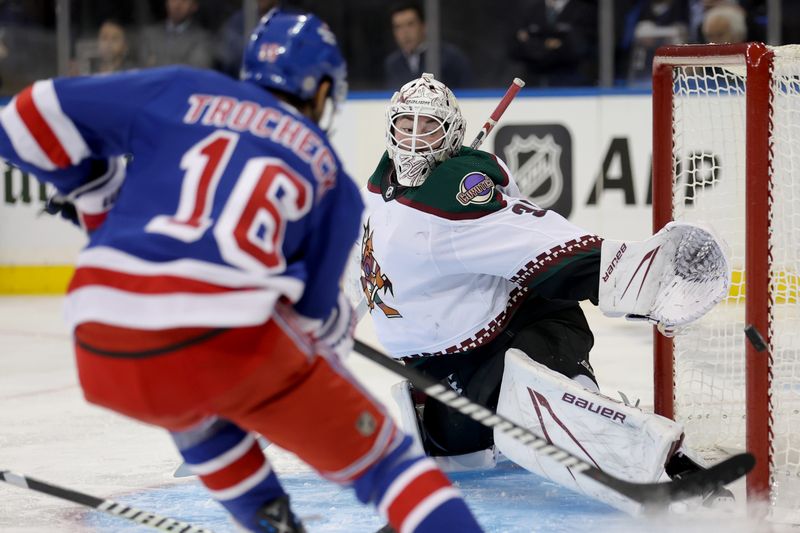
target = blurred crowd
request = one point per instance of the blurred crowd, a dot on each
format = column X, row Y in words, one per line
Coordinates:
column 550, row 43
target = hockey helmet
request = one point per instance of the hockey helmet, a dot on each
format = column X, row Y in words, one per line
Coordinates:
column 424, row 128
column 293, row 53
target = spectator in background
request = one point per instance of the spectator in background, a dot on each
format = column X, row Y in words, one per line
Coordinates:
column 653, row 23
column 557, row 42
column 27, row 44
column 697, row 13
column 113, row 49
column 409, row 61
column 177, row 40
column 790, row 25
column 725, row 24
column 232, row 38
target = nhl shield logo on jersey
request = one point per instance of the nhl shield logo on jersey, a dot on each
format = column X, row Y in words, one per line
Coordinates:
column 475, row 188
column 372, row 279
column 539, row 176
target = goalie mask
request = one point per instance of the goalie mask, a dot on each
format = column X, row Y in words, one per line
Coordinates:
column 424, row 127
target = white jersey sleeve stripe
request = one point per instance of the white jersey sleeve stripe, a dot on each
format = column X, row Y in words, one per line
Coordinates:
column 46, row 101
column 165, row 311
column 118, row 261
column 21, row 138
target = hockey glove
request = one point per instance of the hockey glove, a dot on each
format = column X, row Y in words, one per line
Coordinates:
column 58, row 204
column 89, row 205
column 336, row 333
column 671, row 279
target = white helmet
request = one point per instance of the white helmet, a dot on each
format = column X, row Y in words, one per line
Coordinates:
column 424, row 127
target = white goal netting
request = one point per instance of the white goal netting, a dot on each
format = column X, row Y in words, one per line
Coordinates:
column 709, row 153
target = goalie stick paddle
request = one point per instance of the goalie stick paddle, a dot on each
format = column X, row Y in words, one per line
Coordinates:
column 651, row 495
column 117, row 509
column 512, row 91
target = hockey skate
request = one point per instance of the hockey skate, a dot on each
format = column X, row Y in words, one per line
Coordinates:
column 277, row 517
column 680, row 465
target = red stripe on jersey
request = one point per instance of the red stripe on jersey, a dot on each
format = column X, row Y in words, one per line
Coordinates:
column 503, row 170
column 236, row 472
column 92, row 222
column 415, row 493
column 40, row 130
column 165, row 284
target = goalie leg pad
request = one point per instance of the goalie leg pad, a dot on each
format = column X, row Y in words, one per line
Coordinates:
column 671, row 279
column 619, row 439
column 408, row 420
column 410, row 424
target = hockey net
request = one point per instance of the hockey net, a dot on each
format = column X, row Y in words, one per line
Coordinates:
column 726, row 152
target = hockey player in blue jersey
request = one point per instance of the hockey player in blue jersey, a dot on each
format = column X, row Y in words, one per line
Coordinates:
column 207, row 300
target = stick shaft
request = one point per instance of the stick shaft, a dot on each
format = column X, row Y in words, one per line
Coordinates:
column 478, row 412
column 512, row 91
column 649, row 494
column 108, row 506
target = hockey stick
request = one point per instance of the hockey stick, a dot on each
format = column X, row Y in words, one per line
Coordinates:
column 648, row 494
column 512, row 91
column 117, row 509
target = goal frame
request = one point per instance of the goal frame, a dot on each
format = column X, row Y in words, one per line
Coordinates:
column 758, row 61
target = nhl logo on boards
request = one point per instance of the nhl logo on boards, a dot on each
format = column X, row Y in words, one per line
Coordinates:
column 475, row 188
column 539, row 157
column 540, row 167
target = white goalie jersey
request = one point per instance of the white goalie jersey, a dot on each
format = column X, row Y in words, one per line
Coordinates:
column 443, row 266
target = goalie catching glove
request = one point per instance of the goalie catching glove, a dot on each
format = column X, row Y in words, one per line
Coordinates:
column 671, row 279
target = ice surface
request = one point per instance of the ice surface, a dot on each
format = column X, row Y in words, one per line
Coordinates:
column 48, row 431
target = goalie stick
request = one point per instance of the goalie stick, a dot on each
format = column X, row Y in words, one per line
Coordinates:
column 651, row 495
column 113, row 508
column 512, row 91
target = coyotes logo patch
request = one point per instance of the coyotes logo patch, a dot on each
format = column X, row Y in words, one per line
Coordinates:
column 372, row 279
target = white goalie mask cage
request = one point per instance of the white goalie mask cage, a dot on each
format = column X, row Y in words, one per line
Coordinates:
column 432, row 129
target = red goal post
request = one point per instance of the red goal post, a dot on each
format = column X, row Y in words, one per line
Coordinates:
column 726, row 151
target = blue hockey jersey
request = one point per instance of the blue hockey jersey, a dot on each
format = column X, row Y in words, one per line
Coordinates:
column 230, row 201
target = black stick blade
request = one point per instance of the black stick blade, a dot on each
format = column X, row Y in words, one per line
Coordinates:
column 658, row 495
column 649, row 494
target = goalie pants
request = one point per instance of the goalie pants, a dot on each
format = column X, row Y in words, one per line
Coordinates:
column 212, row 387
column 560, row 339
